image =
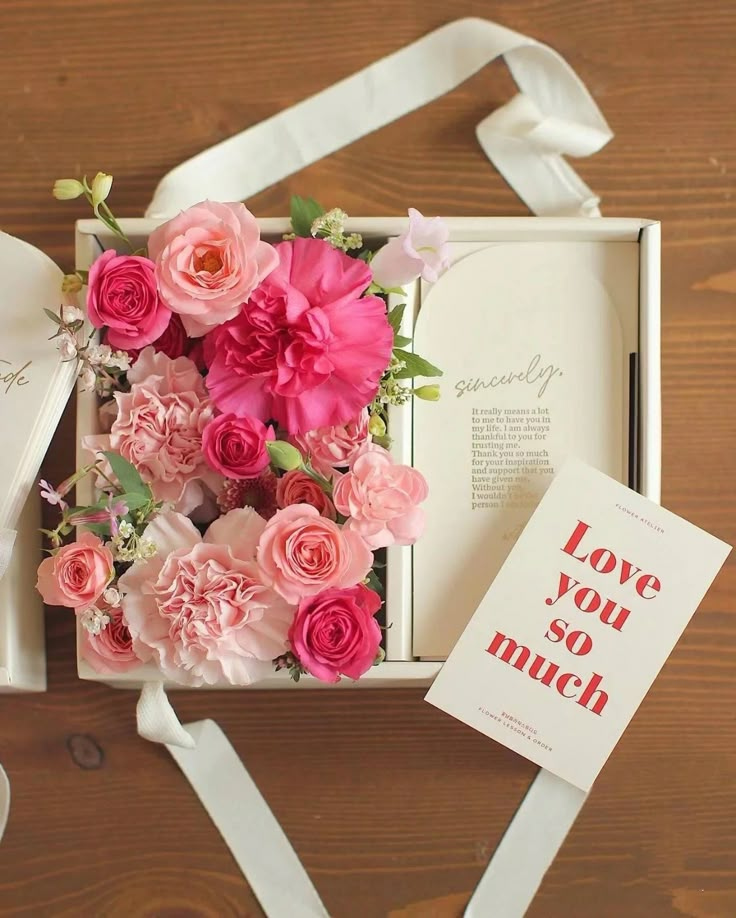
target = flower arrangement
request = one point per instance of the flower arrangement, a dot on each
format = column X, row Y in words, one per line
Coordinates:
column 246, row 489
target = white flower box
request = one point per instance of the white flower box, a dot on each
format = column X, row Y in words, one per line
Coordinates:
column 401, row 668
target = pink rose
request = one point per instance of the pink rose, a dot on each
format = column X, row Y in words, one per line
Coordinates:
column 110, row 651
column 159, row 428
column 308, row 350
column 303, row 553
column 331, row 448
column 381, row 499
column 122, row 296
column 173, row 341
column 237, row 446
column 421, row 251
column 201, row 607
column 299, row 488
column 77, row 574
column 209, row 259
column 336, row 633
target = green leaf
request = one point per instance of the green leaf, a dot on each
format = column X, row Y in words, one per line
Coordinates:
column 52, row 316
column 134, row 501
column 415, row 366
column 127, row 475
column 304, row 211
column 395, row 316
column 401, row 341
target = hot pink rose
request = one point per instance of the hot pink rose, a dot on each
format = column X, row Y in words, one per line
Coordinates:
column 299, row 488
column 122, row 296
column 110, row 651
column 302, row 553
column 201, row 608
column 77, row 574
column 331, row 448
column 336, row 633
column 159, row 428
column 381, row 499
column 173, row 342
column 237, row 446
column 307, row 350
column 209, row 260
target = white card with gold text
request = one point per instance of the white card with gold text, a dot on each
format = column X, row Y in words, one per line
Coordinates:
column 580, row 619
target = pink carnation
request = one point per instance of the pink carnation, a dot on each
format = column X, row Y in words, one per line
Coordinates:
column 77, row 575
column 307, row 350
column 209, row 259
column 381, row 499
column 159, row 428
column 201, row 607
column 110, row 651
column 330, row 448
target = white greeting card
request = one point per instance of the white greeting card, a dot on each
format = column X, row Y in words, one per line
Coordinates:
column 577, row 624
column 535, row 341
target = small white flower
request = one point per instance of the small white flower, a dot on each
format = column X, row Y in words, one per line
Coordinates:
column 94, row 620
column 126, row 529
column 99, row 355
column 67, row 189
column 87, row 379
column 67, row 346
column 71, row 314
column 112, row 597
column 101, row 185
column 119, row 360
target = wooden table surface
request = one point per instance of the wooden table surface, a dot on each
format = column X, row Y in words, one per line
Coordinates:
column 393, row 807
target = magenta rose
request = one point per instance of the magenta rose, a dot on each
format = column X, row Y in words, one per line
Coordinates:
column 335, row 633
column 331, row 448
column 297, row 487
column 381, row 499
column 236, row 447
column 302, row 553
column 111, row 651
column 77, row 575
column 307, row 350
column 122, row 297
column 173, row 342
column 209, row 259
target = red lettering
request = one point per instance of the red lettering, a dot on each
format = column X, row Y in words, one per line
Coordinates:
column 550, row 673
column 628, row 570
column 572, row 642
column 608, row 609
column 558, row 627
column 566, row 584
column 561, row 684
column 650, row 582
column 607, row 565
column 509, row 650
column 593, row 603
column 575, row 539
column 592, row 689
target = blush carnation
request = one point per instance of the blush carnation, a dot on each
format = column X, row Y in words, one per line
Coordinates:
column 236, row 447
column 302, row 553
column 381, row 499
column 77, row 575
column 110, row 651
column 308, row 350
column 330, row 448
column 201, row 607
column 122, row 296
column 209, row 259
column 296, row 487
column 335, row 633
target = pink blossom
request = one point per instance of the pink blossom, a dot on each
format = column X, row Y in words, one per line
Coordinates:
column 330, row 448
column 236, row 447
column 77, row 574
column 420, row 251
column 209, row 259
column 201, row 607
column 51, row 495
column 302, row 553
column 110, row 651
column 307, row 350
column 381, row 499
column 336, row 633
column 296, row 487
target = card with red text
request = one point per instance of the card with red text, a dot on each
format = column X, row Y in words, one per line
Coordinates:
column 578, row 622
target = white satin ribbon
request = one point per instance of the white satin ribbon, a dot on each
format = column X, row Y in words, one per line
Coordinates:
column 4, row 801
column 7, row 540
column 554, row 115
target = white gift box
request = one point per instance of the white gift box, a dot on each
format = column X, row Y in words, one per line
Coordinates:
column 401, row 667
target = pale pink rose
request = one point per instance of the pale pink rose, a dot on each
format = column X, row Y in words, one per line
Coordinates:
column 381, row 499
column 159, row 428
column 209, row 259
column 331, row 448
column 303, row 553
column 308, row 350
column 299, row 488
column 77, row 574
column 110, row 651
column 335, row 633
column 421, row 251
column 201, row 607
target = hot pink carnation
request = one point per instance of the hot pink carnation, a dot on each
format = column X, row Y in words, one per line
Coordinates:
column 159, row 428
column 209, row 259
column 330, row 448
column 201, row 608
column 381, row 499
column 302, row 553
column 299, row 488
column 122, row 296
column 77, row 575
column 307, row 350
column 336, row 633
column 110, row 651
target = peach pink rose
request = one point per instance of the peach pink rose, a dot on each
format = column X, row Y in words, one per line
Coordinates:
column 110, row 651
column 201, row 607
column 331, row 448
column 77, row 575
column 159, row 428
column 336, row 633
column 302, row 553
column 297, row 487
column 209, row 259
column 381, row 499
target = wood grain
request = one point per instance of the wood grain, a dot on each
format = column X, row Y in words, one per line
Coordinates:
column 393, row 807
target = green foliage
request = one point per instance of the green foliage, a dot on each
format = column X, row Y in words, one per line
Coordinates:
column 127, row 474
column 415, row 366
column 304, row 211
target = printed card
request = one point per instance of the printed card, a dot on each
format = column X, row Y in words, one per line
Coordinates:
column 580, row 619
